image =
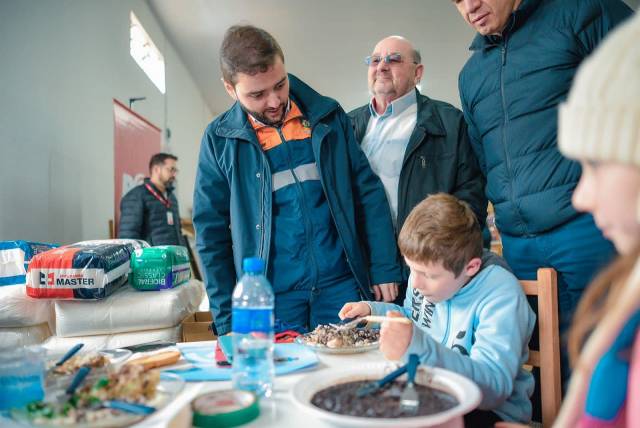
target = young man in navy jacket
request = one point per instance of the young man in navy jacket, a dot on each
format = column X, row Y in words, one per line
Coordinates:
column 281, row 177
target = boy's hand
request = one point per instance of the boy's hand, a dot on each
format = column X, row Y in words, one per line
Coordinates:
column 354, row 310
column 395, row 337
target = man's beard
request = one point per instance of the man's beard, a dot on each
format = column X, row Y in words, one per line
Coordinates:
column 262, row 118
column 169, row 185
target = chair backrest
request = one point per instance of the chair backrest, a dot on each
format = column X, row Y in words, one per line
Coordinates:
column 112, row 229
column 547, row 358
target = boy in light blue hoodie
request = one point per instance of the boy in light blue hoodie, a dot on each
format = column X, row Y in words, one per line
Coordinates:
column 468, row 317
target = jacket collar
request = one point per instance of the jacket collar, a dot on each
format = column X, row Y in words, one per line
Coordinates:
column 516, row 20
column 314, row 106
column 427, row 118
column 168, row 187
column 396, row 106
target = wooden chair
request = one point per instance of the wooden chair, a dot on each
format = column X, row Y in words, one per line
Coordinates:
column 112, row 229
column 547, row 358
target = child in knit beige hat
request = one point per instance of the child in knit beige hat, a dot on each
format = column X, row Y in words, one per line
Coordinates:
column 600, row 126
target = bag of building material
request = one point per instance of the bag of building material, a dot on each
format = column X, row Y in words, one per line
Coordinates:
column 128, row 310
column 19, row 310
column 16, row 337
column 59, row 345
column 15, row 257
column 92, row 270
column 161, row 267
column 16, row 308
column 134, row 244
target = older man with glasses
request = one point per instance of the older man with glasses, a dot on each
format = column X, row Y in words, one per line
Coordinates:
column 416, row 145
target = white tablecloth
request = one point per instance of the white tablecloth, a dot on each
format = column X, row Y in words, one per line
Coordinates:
column 277, row 412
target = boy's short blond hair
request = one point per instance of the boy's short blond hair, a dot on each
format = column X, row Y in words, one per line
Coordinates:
column 443, row 229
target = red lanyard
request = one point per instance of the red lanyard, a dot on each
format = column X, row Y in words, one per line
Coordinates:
column 165, row 202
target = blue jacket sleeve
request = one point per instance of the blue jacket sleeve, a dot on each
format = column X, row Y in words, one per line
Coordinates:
column 381, row 308
column 497, row 353
column 131, row 216
column 373, row 216
column 470, row 181
column 595, row 19
column 474, row 136
column 213, row 237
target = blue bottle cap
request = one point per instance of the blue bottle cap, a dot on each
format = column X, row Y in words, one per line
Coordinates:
column 253, row 265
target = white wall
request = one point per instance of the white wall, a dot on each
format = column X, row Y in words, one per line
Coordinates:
column 62, row 63
column 325, row 41
column 346, row 32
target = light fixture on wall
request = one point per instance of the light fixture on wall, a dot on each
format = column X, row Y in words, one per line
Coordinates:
column 134, row 99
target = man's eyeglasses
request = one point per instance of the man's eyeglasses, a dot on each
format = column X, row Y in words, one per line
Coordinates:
column 172, row 169
column 394, row 58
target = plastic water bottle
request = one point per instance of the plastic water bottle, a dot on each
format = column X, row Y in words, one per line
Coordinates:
column 252, row 326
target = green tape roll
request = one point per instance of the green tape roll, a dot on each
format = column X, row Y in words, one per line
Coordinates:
column 224, row 409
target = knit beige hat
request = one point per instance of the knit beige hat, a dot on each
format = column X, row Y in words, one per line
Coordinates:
column 601, row 118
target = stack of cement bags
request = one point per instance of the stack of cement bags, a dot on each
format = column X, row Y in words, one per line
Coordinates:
column 23, row 320
column 128, row 317
column 94, row 304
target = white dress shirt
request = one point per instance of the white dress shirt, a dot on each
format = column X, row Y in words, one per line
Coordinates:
column 386, row 140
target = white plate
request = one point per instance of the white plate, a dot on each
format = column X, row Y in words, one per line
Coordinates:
column 341, row 350
column 168, row 388
column 115, row 359
column 463, row 389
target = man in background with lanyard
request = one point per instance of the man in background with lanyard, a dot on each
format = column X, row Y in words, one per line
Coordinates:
column 150, row 211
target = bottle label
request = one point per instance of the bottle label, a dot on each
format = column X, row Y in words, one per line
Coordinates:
column 252, row 320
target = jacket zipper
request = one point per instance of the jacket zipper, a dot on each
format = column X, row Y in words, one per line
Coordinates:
column 262, row 196
column 262, row 251
column 505, row 120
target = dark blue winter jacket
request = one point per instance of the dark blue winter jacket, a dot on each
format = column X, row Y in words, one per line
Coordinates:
column 233, row 201
column 143, row 216
column 510, row 89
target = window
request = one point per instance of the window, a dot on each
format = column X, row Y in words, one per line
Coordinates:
column 145, row 53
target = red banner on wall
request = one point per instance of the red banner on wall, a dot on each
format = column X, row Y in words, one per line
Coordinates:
column 135, row 140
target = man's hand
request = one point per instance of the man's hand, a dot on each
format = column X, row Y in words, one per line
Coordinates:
column 386, row 292
column 354, row 310
column 395, row 337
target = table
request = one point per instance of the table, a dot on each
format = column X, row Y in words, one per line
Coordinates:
column 277, row 412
